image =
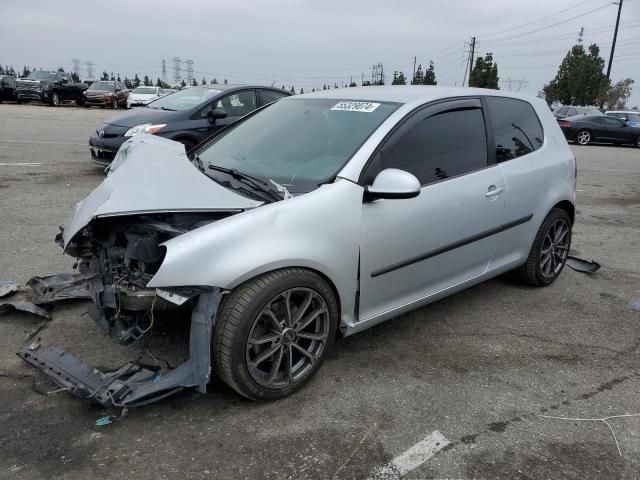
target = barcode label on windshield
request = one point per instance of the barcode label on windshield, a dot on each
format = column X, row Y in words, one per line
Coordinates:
column 366, row 107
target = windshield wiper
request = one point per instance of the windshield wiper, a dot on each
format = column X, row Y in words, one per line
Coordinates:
column 256, row 183
column 167, row 109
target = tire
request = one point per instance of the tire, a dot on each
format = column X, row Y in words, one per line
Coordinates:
column 188, row 144
column 542, row 268
column 638, row 141
column 55, row 99
column 583, row 137
column 114, row 104
column 258, row 348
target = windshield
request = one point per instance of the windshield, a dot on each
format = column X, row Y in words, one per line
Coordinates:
column 588, row 111
column 298, row 143
column 145, row 90
column 42, row 76
column 102, row 86
column 185, row 99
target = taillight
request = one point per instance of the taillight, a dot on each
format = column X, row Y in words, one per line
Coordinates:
column 564, row 123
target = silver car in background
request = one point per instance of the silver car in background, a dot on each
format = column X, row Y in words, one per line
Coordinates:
column 319, row 214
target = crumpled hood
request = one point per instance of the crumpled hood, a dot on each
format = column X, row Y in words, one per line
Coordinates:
column 153, row 174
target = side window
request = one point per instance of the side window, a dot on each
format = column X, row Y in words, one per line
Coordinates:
column 612, row 122
column 444, row 145
column 571, row 112
column 563, row 110
column 238, row 104
column 269, row 96
column 516, row 127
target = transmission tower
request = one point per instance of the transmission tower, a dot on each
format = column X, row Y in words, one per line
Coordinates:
column 177, row 65
column 164, row 71
column 189, row 71
column 89, row 68
column 518, row 84
column 76, row 66
column 377, row 74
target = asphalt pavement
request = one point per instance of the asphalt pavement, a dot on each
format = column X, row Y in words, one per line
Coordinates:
column 459, row 389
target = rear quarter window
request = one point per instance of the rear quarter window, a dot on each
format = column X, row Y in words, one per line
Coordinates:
column 516, row 127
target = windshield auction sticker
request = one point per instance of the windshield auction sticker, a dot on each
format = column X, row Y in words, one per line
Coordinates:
column 366, row 107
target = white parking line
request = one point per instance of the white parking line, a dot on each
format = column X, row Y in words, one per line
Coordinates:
column 20, row 164
column 412, row 458
column 43, row 143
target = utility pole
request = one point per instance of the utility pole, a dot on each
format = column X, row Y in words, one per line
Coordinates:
column 472, row 52
column 615, row 36
column 414, row 69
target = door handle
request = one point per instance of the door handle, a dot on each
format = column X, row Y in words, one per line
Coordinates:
column 493, row 191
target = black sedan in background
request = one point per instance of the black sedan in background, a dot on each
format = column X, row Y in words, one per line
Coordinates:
column 188, row 116
column 599, row 128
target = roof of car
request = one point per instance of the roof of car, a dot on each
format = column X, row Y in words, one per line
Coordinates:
column 622, row 111
column 407, row 93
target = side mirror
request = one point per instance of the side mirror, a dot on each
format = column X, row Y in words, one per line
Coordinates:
column 216, row 114
column 392, row 183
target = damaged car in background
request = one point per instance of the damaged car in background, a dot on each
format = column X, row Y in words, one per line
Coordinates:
column 317, row 215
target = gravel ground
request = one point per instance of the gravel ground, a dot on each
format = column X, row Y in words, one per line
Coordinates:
column 480, row 367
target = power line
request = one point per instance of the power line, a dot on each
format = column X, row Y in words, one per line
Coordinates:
column 554, row 24
column 538, row 20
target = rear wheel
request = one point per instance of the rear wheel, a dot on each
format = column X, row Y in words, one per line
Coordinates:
column 274, row 332
column 114, row 104
column 638, row 141
column 55, row 99
column 583, row 137
column 549, row 250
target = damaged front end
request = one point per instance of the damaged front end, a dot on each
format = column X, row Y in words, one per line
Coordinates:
column 152, row 195
column 120, row 255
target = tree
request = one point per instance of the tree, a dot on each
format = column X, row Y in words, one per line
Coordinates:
column 484, row 73
column 225, row 81
column 136, row 81
column 75, row 77
column 615, row 96
column 105, row 75
column 25, row 71
column 293, row 90
column 301, row 90
column 430, row 75
column 366, row 83
column 146, row 82
column 183, row 84
column 324, row 87
column 353, row 84
column 159, row 83
column 118, row 78
column 398, row 79
column 214, row 81
column 580, row 79
column 418, row 77
column 128, row 83
column 60, row 69
column 204, row 81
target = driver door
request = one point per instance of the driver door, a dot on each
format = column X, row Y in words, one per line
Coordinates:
column 411, row 249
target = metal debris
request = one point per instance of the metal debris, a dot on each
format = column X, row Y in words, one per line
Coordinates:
column 584, row 266
column 42, row 292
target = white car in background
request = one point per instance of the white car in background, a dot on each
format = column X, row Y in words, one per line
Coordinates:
column 141, row 96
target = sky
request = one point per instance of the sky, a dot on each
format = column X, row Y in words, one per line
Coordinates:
column 308, row 43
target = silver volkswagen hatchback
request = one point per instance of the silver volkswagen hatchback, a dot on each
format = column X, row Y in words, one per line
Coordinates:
column 320, row 213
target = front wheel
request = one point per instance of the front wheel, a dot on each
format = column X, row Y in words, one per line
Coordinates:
column 549, row 250
column 274, row 332
column 638, row 141
column 583, row 137
column 55, row 99
column 114, row 104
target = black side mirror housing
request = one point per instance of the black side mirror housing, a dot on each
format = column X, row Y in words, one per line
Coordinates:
column 216, row 114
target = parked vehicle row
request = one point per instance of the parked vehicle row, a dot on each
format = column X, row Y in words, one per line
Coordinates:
column 188, row 116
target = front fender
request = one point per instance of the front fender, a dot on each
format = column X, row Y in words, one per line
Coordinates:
column 319, row 230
